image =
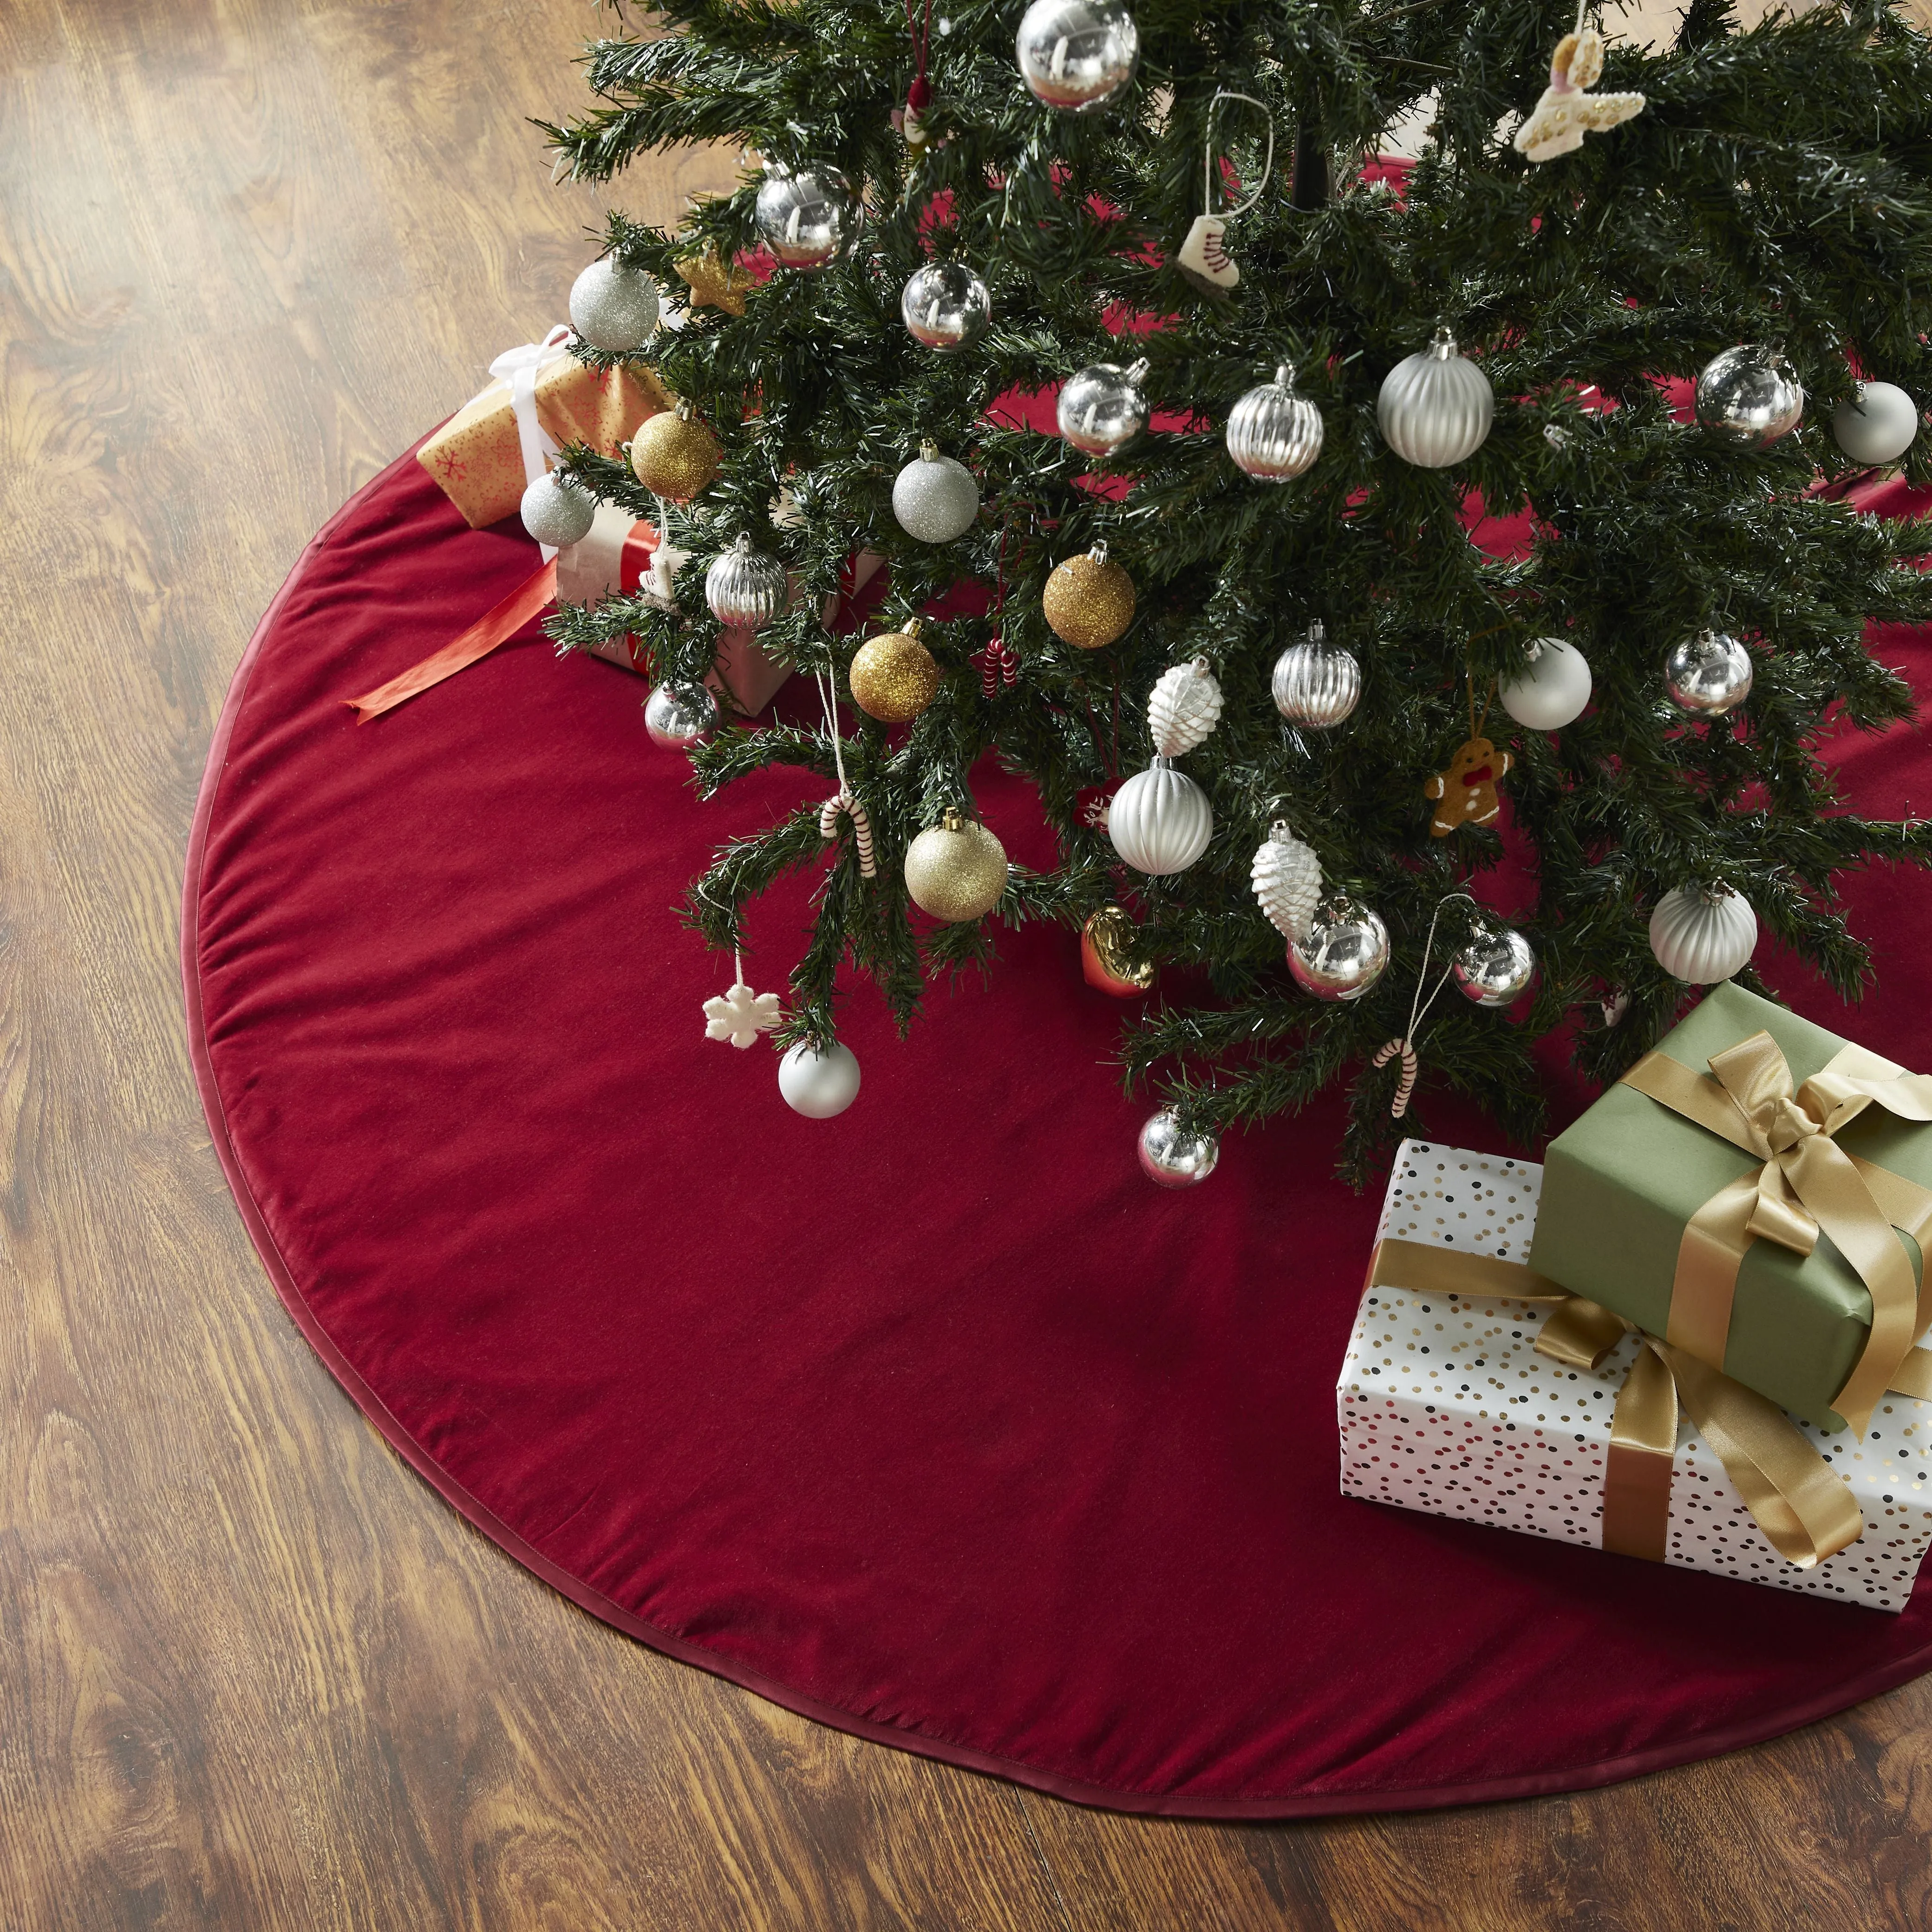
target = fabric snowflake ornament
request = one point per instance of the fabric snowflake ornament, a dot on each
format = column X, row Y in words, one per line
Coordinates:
column 740, row 1015
column 1566, row 112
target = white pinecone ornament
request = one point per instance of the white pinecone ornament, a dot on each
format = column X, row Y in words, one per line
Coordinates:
column 1183, row 707
column 1288, row 882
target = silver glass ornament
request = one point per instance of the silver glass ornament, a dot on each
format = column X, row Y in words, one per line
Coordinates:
column 1274, row 434
column 1708, row 674
column 1435, row 407
column 679, row 715
column 746, row 590
column 613, row 307
column 1172, row 1159
column 934, row 497
column 1316, row 682
column 947, row 306
column 1160, row 821
column 1345, row 952
column 1750, row 396
column 806, row 217
column 1077, row 55
column 1495, row 967
column 557, row 511
column 1102, row 406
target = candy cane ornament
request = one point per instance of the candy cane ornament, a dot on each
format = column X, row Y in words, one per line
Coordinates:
column 1410, row 1066
column 844, row 800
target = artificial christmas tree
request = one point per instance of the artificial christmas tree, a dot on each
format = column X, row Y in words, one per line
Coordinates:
column 1491, row 331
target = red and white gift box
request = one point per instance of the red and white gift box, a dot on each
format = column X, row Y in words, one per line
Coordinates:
column 624, row 554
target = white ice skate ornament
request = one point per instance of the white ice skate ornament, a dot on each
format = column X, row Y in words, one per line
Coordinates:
column 1567, row 110
column 1202, row 255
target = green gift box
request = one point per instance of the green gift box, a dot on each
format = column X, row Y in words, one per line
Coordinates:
column 1619, row 1186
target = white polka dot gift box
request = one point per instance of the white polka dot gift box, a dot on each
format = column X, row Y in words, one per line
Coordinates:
column 1445, row 1405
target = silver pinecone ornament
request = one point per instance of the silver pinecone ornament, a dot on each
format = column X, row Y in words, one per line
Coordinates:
column 1288, row 882
column 1184, row 705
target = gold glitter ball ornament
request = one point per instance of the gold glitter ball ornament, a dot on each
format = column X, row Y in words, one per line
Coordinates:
column 1088, row 600
column 674, row 455
column 955, row 870
column 893, row 676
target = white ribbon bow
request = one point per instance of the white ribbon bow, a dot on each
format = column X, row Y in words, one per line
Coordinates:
column 520, row 367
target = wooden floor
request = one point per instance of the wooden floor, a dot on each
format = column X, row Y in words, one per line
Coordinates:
column 253, row 1673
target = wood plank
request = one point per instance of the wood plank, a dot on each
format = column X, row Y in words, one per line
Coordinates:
column 253, row 1673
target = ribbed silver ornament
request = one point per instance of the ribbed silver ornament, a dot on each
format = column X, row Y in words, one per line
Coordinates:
column 1435, row 407
column 1315, row 682
column 745, row 590
column 1273, row 434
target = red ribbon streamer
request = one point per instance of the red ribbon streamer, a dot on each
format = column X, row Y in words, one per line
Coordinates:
column 494, row 627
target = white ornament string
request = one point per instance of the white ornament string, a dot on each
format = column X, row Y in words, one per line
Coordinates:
column 1267, row 163
column 1418, row 1011
column 843, row 800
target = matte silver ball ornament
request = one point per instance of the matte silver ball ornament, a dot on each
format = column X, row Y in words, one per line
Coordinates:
column 745, row 589
column 1077, row 55
column 1435, row 407
column 1707, row 675
column 1160, row 821
column 934, row 497
column 1102, row 406
column 1703, row 934
column 947, row 306
column 1315, row 682
column 677, row 715
column 557, row 511
column 1495, row 966
column 1345, row 952
column 1749, row 395
column 1172, row 1159
column 819, row 1085
column 806, row 217
column 1551, row 689
column 1878, row 425
column 613, row 307
column 1273, row 433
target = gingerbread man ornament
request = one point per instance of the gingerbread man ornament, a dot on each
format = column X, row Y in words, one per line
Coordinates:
column 1465, row 794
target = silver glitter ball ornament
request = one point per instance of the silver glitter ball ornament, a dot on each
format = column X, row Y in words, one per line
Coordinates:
column 1102, row 406
column 1494, row 967
column 557, row 511
column 1172, row 1159
column 746, row 590
column 1707, row 675
column 1750, row 396
column 679, row 715
column 934, row 497
column 1435, row 407
column 947, row 306
column 1077, row 55
column 1274, row 434
column 613, row 307
column 1316, row 682
column 1345, row 952
column 806, row 217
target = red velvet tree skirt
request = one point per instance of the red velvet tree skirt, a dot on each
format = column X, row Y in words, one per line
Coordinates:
column 936, row 1422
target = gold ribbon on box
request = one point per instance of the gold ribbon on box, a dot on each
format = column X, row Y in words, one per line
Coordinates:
column 1804, row 1508
column 1808, row 1184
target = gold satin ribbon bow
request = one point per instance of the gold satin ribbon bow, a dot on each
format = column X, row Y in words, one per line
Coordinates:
column 1804, row 1508
column 1807, row 1184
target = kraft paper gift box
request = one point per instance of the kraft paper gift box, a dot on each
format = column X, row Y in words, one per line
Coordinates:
column 477, row 456
column 1621, row 1186
column 1445, row 1406
column 622, row 554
